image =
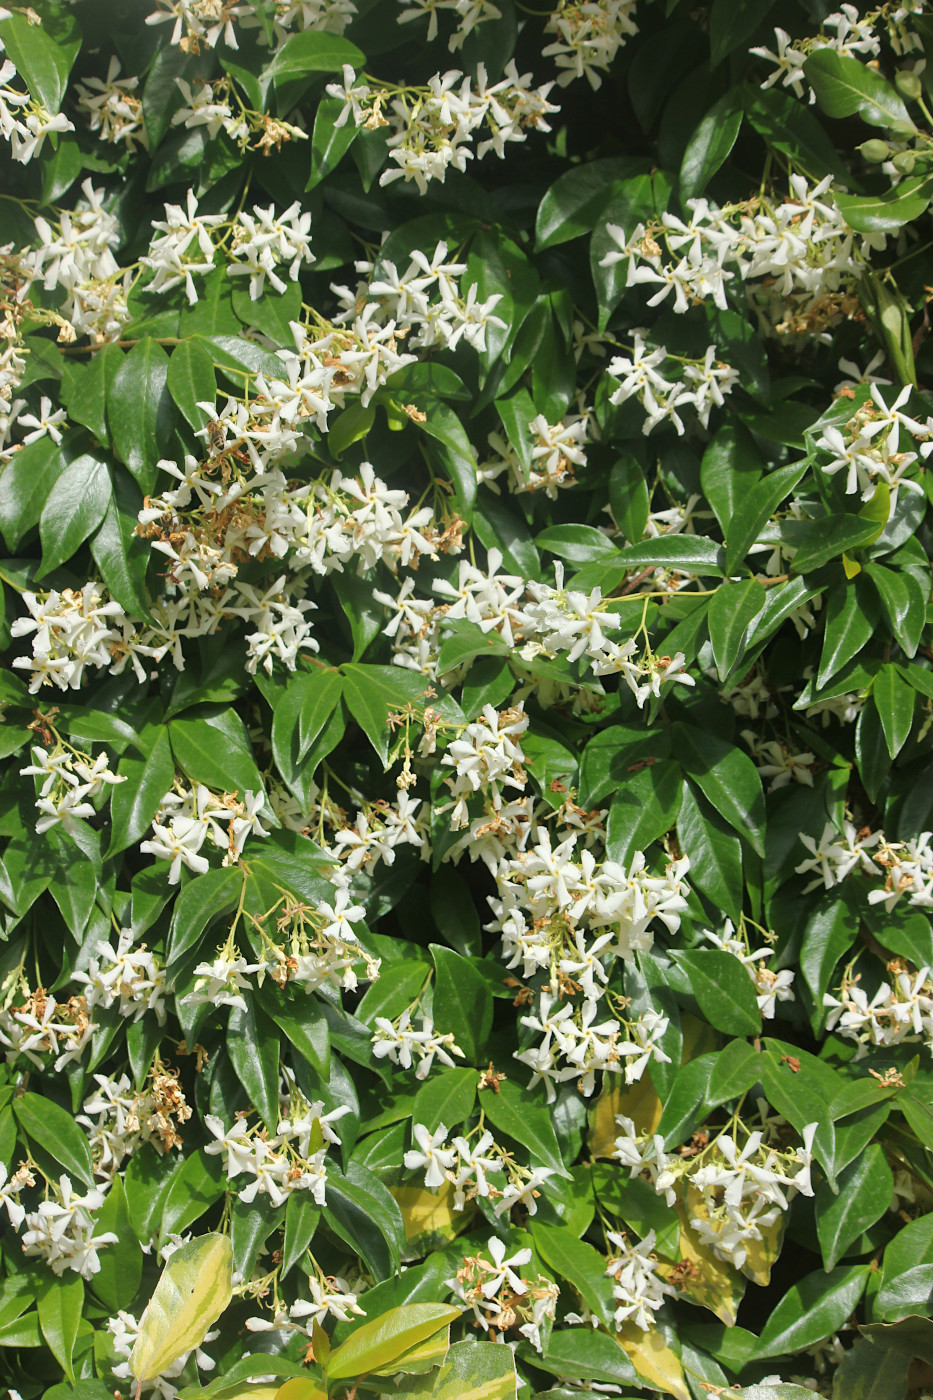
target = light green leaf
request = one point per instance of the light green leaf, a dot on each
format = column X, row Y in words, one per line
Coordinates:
column 195, row 1287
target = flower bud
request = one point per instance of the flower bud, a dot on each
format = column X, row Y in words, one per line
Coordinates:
column 904, row 162
column 908, row 84
column 875, row 150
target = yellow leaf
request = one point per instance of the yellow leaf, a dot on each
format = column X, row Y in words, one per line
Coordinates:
column 640, row 1103
column 761, row 1254
column 430, row 1218
column 423, row 1356
column 851, row 566
column 653, row 1360
column 300, row 1388
column 716, row 1285
column 195, row 1287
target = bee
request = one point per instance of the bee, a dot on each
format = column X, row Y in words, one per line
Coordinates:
column 216, row 436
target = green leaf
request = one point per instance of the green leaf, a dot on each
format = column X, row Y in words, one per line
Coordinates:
column 195, row 1287
column 214, row 749
column 465, row 643
column 59, row 1302
column 462, row 1002
column 644, row 808
column 903, row 603
column 895, row 700
column 889, row 211
column 140, row 411
column 865, row 1190
column 371, row 693
column 364, row 1215
column 26, row 482
column 46, row 1123
column 845, row 87
column 711, row 143
column 446, row 1098
column 723, row 989
column 194, row 1188
column 200, row 901
column 579, row 1354
column 133, row 804
column 525, row 1117
column 329, row 143
column 116, row 1282
column 867, row 1372
column 871, row 749
column 378, row 1343
column 852, row 615
column 74, row 509
column 577, row 1262
column 736, row 1070
column 830, row 537
column 309, row 52
column 253, row 1048
column 578, row 544
column 715, row 852
column 786, row 124
column 730, row 469
column 685, row 553
column 304, row 1024
column 191, row 379
column 829, row 932
column 85, row 389
column 576, row 199
column 301, row 1221
column 450, row 448
column 119, row 553
column 685, row 1104
column 43, row 62
column 733, row 609
column 907, row 1272
column 727, row 778
column 812, row 1310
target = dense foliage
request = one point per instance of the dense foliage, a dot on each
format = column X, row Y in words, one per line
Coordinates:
column 467, row 778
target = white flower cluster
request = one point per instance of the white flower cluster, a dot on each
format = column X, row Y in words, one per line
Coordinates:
column 431, row 130
column 41, row 1026
column 423, row 305
column 576, row 623
column 573, row 1048
column 799, row 260
column 329, row 1297
column 779, row 763
column 401, row 1043
column 589, row 35
column 470, row 15
column 118, row 1119
column 24, row 122
column 906, row 865
column 556, row 448
column 379, row 829
column 132, row 979
column 500, row 1298
column 293, row 1159
column 187, row 817
column 899, row 1012
column 198, row 22
column 770, row 987
column 75, row 255
column 732, row 1196
column 486, row 758
column 111, row 107
column 868, row 447
column 68, row 779
column 854, row 35
column 61, row 1230
column 637, row 1289
column 703, row 384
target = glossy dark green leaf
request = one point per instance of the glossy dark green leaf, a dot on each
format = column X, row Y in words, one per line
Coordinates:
column 867, row 1372
column 42, row 61
column 727, row 778
column 133, row 804
column 120, row 555
column 140, row 412
column 894, row 700
column 812, row 1309
column 253, row 1048
column 710, row 144
column 844, row 87
column 59, row 1301
column 715, row 852
column 462, row 1002
column 25, row 485
column 446, row 1098
column 903, row 603
column 852, row 615
column 46, row 1123
column 524, row 1116
column 214, row 749
column 723, row 989
column 864, row 1194
column 191, row 380
column 732, row 611
column 201, row 900
column 577, row 1262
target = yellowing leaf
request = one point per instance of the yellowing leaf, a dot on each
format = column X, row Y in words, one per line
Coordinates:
column 300, row 1388
column 851, row 566
column 653, row 1360
column 430, row 1218
column 195, row 1287
column 423, row 1356
column 378, row 1343
column 640, row 1103
column 715, row 1284
column 761, row 1254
